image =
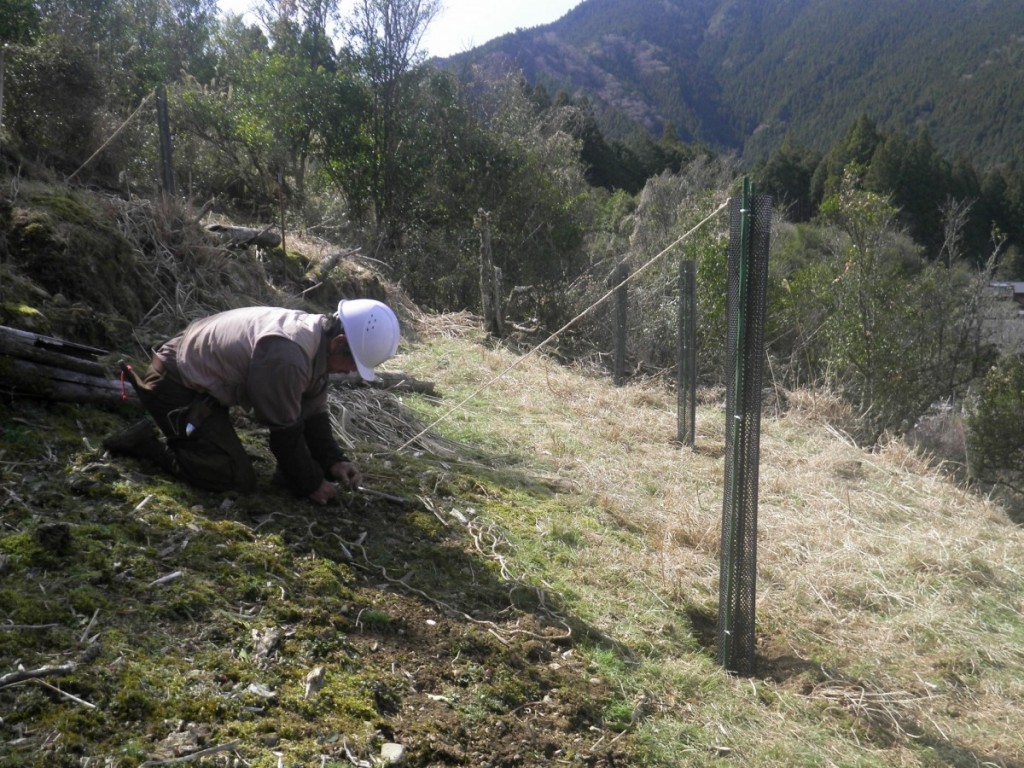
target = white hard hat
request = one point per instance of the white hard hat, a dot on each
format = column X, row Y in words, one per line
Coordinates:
column 372, row 332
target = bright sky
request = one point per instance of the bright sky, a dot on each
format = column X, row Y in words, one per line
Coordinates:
column 464, row 24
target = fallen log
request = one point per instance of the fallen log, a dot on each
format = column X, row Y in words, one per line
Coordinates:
column 387, row 380
column 34, row 365
column 243, row 237
column 24, row 378
column 49, row 350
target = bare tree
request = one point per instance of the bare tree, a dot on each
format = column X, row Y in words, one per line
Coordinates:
column 386, row 35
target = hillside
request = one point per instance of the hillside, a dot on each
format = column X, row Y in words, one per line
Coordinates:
column 538, row 587
column 742, row 76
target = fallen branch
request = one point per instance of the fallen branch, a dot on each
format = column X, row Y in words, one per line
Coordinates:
column 13, row 678
column 242, row 237
column 65, row 694
column 21, row 627
column 386, row 380
column 399, row 500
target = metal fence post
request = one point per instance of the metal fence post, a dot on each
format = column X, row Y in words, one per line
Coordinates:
column 747, row 296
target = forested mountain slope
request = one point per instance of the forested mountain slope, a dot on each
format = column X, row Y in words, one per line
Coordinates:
column 743, row 75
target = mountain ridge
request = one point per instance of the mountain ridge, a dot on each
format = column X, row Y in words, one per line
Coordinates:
column 741, row 77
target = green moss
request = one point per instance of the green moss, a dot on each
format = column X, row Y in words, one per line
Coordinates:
column 72, row 251
column 429, row 525
column 323, row 577
column 374, row 619
column 21, row 606
column 22, row 311
column 134, row 703
column 22, row 548
column 67, row 208
column 86, row 600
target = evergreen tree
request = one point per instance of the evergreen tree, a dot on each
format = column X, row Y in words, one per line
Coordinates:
column 19, row 20
column 786, row 176
column 856, row 148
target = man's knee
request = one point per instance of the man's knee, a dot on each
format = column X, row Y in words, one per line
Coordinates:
column 209, row 466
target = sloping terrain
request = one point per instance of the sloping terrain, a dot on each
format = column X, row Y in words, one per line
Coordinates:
column 533, row 582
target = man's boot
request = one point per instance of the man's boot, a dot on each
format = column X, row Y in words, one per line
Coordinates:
column 141, row 441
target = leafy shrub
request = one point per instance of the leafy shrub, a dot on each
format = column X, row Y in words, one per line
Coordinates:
column 996, row 426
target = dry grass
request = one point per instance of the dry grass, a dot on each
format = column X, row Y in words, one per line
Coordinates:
column 889, row 597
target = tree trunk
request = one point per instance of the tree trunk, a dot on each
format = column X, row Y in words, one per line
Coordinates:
column 3, row 48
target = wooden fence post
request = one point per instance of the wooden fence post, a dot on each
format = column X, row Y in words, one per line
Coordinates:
column 166, row 153
column 619, row 278
column 490, row 278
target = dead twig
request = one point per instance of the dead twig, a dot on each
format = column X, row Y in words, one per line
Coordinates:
column 20, row 627
column 13, row 678
column 400, row 500
column 89, row 626
column 167, row 578
column 65, row 694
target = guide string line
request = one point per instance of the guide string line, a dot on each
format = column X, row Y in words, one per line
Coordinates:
column 611, row 291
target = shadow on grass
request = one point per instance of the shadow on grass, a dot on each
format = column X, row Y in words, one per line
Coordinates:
column 883, row 717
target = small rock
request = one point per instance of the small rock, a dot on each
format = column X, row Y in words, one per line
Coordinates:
column 261, row 690
column 314, row 681
column 392, row 754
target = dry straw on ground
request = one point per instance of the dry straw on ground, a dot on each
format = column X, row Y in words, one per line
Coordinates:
column 886, row 590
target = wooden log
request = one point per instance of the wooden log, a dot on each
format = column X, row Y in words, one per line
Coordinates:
column 24, row 378
column 242, row 237
column 34, row 365
column 387, row 380
column 48, row 350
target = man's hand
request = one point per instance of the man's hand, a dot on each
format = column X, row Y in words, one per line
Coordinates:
column 348, row 473
column 324, row 494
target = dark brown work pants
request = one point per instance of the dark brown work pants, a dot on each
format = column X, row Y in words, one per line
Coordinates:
column 198, row 431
